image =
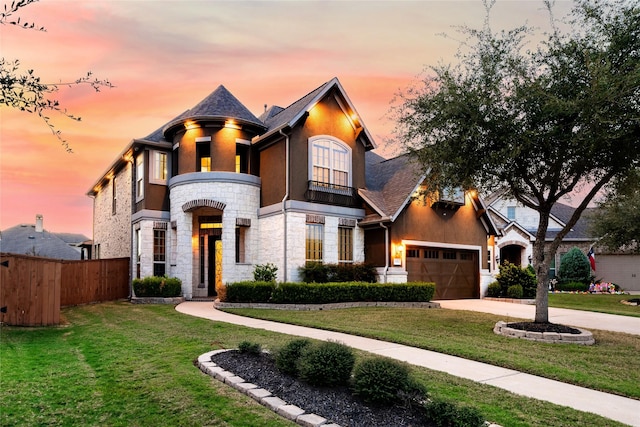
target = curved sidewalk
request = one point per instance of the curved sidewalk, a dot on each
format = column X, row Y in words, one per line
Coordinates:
column 614, row 407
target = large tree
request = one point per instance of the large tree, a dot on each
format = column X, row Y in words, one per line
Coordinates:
column 24, row 90
column 617, row 219
column 538, row 124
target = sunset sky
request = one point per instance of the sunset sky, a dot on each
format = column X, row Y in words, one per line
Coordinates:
column 165, row 56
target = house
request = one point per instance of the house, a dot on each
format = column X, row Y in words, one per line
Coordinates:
column 33, row 239
column 216, row 191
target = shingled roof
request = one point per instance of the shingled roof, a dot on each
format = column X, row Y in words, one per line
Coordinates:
column 219, row 105
column 23, row 239
column 390, row 184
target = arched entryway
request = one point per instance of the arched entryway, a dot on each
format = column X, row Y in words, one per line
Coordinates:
column 512, row 254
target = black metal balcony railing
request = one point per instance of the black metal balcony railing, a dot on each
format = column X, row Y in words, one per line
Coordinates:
column 331, row 194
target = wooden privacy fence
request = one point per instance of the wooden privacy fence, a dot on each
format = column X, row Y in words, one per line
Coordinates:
column 33, row 289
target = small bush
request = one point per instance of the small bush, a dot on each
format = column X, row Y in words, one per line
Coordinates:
column 574, row 267
column 265, row 273
column 514, row 291
column 160, row 287
column 494, row 290
column 448, row 414
column 511, row 274
column 380, row 380
column 287, row 357
column 326, row 364
column 249, row 347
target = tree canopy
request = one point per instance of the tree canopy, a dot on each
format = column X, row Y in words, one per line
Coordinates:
column 537, row 124
column 24, row 90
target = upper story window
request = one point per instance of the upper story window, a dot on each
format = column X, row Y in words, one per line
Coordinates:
column 159, row 167
column 203, row 155
column 140, row 177
column 329, row 161
column 511, row 213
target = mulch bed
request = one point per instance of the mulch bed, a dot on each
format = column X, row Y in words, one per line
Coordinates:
column 544, row 327
column 336, row 404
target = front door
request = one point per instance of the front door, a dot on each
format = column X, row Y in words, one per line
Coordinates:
column 210, row 254
column 214, row 273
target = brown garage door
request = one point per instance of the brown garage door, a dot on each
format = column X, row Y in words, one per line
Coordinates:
column 454, row 271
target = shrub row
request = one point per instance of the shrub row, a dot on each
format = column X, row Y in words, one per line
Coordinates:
column 154, row 286
column 326, row 293
column 318, row 272
column 376, row 380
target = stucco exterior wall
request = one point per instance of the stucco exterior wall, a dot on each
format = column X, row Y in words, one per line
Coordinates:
column 112, row 232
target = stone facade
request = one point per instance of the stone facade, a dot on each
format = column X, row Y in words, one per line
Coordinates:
column 112, row 229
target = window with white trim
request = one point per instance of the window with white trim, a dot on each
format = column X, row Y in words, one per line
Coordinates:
column 159, row 167
column 140, row 177
column 329, row 161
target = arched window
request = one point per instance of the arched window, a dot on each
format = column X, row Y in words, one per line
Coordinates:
column 329, row 161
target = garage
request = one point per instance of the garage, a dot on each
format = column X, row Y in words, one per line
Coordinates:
column 454, row 271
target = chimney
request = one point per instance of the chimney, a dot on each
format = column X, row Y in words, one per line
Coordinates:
column 39, row 226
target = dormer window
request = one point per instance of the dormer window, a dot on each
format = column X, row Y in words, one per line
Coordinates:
column 329, row 161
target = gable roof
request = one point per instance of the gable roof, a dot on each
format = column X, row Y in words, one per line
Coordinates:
column 24, row 239
column 219, row 105
column 390, row 184
column 277, row 118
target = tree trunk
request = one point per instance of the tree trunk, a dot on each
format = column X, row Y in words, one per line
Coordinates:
column 542, row 259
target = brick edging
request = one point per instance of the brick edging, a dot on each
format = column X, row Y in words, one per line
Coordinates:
column 333, row 306
column 583, row 338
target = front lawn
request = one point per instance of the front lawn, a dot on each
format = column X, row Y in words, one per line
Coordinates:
column 601, row 303
column 117, row 364
column 611, row 365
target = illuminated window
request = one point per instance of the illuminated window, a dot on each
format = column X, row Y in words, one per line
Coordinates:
column 313, row 242
column 330, row 162
column 203, row 153
column 345, row 244
column 242, row 158
column 159, row 167
column 140, row 177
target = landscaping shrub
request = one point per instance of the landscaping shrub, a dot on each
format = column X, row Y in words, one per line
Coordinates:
column 572, row 286
column 154, row 286
column 511, row 274
column 448, row 414
column 249, row 347
column 514, row 291
column 494, row 290
column 326, row 364
column 287, row 357
column 574, row 267
column 317, row 272
column 326, row 293
column 380, row 381
column 248, row 292
column 265, row 273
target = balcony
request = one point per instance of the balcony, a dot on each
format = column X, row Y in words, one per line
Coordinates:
column 331, row 194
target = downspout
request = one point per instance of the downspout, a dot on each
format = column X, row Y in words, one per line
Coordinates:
column 386, row 251
column 284, row 199
column 132, row 255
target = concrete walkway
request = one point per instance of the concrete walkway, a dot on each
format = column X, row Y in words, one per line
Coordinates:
column 614, row 407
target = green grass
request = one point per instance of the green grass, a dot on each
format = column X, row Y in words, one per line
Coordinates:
column 611, row 365
column 117, row 364
column 601, row 303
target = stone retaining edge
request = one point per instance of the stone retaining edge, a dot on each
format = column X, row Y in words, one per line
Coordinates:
column 317, row 307
column 584, row 338
column 264, row 397
column 157, row 300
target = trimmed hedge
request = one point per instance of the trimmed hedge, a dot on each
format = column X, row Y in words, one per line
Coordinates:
column 327, row 293
column 317, row 272
column 249, row 291
column 154, row 286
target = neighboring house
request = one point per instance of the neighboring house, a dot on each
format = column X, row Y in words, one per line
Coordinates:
column 33, row 239
column 217, row 191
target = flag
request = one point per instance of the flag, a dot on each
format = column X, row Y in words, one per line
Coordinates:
column 592, row 259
